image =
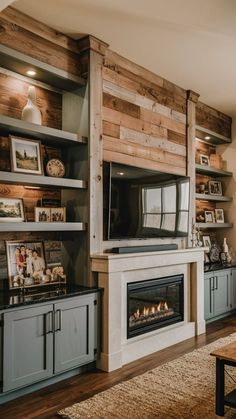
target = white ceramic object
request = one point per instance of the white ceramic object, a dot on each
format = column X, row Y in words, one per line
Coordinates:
column 31, row 112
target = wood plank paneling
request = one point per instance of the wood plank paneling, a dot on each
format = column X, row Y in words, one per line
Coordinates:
column 213, row 120
column 38, row 28
column 144, row 117
column 14, row 96
column 27, row 42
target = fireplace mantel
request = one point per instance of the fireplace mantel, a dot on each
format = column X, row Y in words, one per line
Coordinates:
column 116, row 270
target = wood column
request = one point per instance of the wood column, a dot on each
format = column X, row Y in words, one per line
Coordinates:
column 192, row 99
column 94, row 49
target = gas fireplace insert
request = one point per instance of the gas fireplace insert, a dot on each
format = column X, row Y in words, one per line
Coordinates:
column 154, row 303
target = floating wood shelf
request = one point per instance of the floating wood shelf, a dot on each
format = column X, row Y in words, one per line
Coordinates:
column 211, row 171
column 33, row 226
column 216, row 198
column 27, row 129
column 19, row 63
column 214, row 225
column 25, row 179
column 215, row 138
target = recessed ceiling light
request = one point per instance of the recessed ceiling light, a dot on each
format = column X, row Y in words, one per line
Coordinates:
column 120, row 173
column 31, row 73
column 207, row 137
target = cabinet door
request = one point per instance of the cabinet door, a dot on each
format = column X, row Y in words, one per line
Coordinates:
column 28, row 346
column 74, row 332
column 233, row 289
column 208, row 296
column 221, row 292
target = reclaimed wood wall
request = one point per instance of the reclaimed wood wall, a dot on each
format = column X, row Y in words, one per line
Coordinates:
column 14, row 96
column 144, row 117
column 213, row 120
column 27, row 35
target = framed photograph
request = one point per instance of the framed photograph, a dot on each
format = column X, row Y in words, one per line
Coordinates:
column 42, row 214
column 215, row 187
column 11, row 209
column 206, row 241
column 58, row 215
column 209, row 216
column 25, row 263
column 204, row 159
column 26, row 156
column 219, row 214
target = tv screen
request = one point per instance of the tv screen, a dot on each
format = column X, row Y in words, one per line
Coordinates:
column 140, row 203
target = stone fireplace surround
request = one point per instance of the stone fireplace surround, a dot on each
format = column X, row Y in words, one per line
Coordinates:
column 115, row 271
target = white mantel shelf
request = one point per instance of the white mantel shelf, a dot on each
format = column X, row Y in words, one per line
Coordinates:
column 115, row 271
column 111, row 262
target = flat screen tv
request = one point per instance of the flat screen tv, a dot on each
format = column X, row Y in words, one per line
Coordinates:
column 140, row 203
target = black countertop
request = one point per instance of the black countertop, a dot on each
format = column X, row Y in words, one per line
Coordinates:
column 11, row 299
column 217, row 266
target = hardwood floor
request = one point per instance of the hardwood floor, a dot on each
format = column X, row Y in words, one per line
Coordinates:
column 45, row 403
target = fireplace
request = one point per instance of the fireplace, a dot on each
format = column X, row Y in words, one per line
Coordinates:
column 154, row 304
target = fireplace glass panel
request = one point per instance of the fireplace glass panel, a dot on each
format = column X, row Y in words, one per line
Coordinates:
column 154, row 304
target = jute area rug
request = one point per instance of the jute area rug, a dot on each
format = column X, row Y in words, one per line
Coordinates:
column 180, row 389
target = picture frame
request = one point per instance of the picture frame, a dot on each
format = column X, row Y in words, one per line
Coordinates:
column 206, row 241
column 209, row 216
column 42, row 214
column 26, row 156
column 58, row 214
column 25, row 263
column 204, row 160
column 219, row 215
column 215, row 187
column 11, row 210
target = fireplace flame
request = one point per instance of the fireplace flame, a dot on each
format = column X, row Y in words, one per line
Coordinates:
column 147, row 311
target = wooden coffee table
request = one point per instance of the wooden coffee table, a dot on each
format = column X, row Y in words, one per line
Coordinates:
column 225, row 355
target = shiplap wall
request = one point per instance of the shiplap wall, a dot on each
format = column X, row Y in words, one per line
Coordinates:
column 144, row 117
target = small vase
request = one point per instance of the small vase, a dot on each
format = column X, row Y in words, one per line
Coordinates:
column 31, row 112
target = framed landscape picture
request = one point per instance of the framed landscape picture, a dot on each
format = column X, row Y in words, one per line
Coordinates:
column 11, row 209
column 26, row 156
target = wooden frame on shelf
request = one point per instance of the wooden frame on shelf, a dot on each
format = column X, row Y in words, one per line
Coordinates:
column 219, row 215
column 209, row 216
column 11, row 210
column 26, row 156
column 215, row 187
column 204, row 160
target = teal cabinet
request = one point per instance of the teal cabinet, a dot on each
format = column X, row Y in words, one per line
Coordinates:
column 233, row 289
column 208, row 296
column 222, row 292
column 42, row 341
column 74, row 333
column 217, row 293
column 28, row 346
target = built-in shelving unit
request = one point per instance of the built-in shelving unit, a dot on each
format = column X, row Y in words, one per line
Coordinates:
column 211, row 171
column 25, row 179
column 19, row 63
column 208, row 175
column 67, row 92
column 215, row 198
column 14, row 126
column 33, row 226
column 214, row 225
column 210, row 136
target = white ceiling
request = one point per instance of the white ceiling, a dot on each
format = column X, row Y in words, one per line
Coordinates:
column 190, row 42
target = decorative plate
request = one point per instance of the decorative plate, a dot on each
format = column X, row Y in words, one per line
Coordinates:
column 55, row 167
